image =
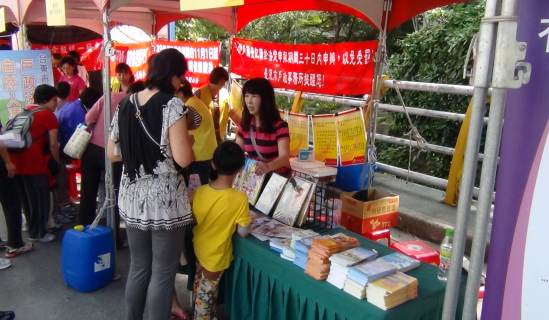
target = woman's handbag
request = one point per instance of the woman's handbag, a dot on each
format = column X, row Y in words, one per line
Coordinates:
column 78, row 142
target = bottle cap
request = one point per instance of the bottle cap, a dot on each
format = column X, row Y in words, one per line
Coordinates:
column 79, row 228
column 450, row 233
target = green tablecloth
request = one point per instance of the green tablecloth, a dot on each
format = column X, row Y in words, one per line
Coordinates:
column 261, row 285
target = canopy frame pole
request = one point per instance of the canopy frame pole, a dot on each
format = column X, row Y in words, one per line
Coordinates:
column 483, row 71
column 507, row 54
column 380, row 57
column 109, row 189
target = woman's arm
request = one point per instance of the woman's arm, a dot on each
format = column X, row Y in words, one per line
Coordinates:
column 54, row 144
column 235, row 116
column 110, row 152
column 180, row 142
column 7, row 160
column 283, row 159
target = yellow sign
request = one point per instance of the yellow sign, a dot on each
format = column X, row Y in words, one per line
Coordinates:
column 2, row 19
column 236, row 97
column 188, row 5
column 351, row 137
column 55, row 12
column 299, row 132
column 325, row 139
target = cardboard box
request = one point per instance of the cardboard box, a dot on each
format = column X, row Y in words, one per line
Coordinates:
column 379, row 213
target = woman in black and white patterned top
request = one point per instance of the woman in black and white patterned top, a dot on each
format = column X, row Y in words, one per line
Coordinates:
column 153, row 198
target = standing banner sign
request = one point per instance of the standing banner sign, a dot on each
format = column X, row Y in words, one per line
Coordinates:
column 22, row 71
column 325, row 139
column 517, row 284
column 89, row 52
column 55, row 13
column 202, row 57
column 236, row 97
column 137, row 56
column 186, row 5
column 341, row 69
column 351, row 137
column 298, row 125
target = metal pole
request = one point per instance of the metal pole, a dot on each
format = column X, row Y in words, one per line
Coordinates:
column 433, row 87
column 502, row 78
column 106, row 111
column 482, row 82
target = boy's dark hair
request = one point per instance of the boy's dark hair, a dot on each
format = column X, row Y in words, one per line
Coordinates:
column 125, row 68
column 44, row 93
column 228, row 159
column 71, row 63
column 57, row 56
column 75, row 55
column 268, row 110
column 63, row 89
column 218, row 74
column 165, row 65
column 186, row 89
column 89, row 97
column 136, row 87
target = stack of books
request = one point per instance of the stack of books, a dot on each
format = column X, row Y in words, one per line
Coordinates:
column 318, row 263
column 341, row 263
column 360, row 275
column 288, row 253
column 401, row 261
column 278, row 244
column 302, row 234
column 301, row 250
column 391, row 291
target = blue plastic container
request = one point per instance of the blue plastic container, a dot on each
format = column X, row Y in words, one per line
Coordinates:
column 87, row 258
column 349, row 177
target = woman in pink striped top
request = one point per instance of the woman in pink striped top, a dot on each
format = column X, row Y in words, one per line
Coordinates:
column 271, row 133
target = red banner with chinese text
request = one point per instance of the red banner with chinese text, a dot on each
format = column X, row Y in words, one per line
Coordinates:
column 340, row 69
column 90, row 52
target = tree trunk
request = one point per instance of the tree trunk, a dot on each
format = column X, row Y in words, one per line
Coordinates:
column 337, row 28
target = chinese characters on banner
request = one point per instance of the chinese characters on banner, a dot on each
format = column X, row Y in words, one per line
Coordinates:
column 22, row 71
column 299, row 132
column 137, row 56
column 89, row 52
column 325, row 139
column 202, row 58
column 351, row 137
column 342, row 69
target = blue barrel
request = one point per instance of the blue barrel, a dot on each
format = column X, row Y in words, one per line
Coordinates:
column 349, row 177
column 87, row 258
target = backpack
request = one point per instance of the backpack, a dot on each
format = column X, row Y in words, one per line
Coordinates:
column 18, row 130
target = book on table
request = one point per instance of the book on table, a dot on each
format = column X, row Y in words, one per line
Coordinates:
column 354, row 289
column 391, row 291
column 251, row 183
column 370, row 271
column 342, row 261
column 306, row 208
column 292, row 200
column 401, row 261
column 278, row 244
column 270, row 194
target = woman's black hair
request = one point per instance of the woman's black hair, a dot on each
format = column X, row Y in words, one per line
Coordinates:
column 57, row 56
column 89, row 97
column 63, row 89
column 44, row 93
column 136, row 87
column 228, row 159
column 165, row 65
column 71, row 63
column 186, row 89
column 268, row 110
column 75, row 55
column 125, row 68
column 5, row 46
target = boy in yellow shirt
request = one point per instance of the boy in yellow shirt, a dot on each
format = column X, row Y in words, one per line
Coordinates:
column 220, row 211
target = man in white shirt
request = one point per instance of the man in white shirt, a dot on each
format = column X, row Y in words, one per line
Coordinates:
column 82, row 72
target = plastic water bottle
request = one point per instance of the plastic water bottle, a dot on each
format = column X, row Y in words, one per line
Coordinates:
column 445, row 255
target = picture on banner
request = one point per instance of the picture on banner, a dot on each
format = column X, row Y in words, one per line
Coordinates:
column 351, row 137
column 299, row 132
column 341, row 69
column 325, row 139
column 22, row 72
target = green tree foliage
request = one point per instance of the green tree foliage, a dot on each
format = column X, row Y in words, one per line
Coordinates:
column 435, row 53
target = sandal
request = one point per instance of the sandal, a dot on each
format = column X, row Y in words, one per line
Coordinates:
column 183, row 316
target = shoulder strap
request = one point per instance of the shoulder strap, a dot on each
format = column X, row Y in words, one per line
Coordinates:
column 252, row 137
column 134, row 100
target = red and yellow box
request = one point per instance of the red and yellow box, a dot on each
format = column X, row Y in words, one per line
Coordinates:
column 379, row 213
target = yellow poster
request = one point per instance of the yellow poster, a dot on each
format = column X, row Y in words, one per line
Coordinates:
column 236, row 97
column 351, row 137
column 55, row 12
column 188, row 5
column 299, row 132
column 325, row 139
column 2, row 19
